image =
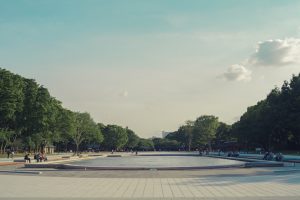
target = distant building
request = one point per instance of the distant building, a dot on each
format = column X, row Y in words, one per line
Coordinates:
column 49, row 149
column 164, row 134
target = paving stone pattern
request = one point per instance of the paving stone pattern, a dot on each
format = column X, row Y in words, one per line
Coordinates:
column 285, row 186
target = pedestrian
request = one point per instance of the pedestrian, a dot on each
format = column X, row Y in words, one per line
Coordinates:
column 8, row 153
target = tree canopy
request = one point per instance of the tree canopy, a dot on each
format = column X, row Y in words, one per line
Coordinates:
column 29, row 113
column 30, row 116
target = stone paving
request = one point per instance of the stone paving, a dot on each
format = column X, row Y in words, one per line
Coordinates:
column 283, row 186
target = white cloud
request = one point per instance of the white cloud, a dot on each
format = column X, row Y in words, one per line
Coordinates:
column 237, row 73
column 276, row 53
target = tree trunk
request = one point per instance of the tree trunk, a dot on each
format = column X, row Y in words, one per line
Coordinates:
column 1, row 148
column 4, row 147
column 77, row 148
column 189, row 145
column 209, row 146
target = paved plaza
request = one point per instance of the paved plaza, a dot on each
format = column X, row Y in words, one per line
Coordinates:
column 276, row 186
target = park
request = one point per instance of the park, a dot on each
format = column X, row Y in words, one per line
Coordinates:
column 149, row 99
column 63, row 150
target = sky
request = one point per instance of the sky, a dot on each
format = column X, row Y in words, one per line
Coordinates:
column 152, row 64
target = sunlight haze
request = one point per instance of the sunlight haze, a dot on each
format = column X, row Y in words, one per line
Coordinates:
column 151, row 65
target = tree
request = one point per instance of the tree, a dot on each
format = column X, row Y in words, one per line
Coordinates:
column 133, row 139
column 85, row 129
column 11, row 99
column 166, row 144
column 6, row 139
column 179, row 137
column 11, row 105
column 31, row 116
column 223, row 132
column 205, row 128
column 64, row 126
column 115, row 137
column 187, row 133
column 44, row 117
column 145, row 145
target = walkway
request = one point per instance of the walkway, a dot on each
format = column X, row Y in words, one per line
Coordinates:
column 284, row 186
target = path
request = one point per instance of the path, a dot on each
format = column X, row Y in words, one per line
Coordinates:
column 285, row 186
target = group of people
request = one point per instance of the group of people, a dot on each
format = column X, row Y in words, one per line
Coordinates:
column 271, row 156
column 203, row 152
column 39, row 157
column 233, row 154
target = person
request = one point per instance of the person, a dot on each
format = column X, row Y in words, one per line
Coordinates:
column 40, row 157
column 136, row 152
column 43, row 157
column 266, row 156
column 279, row 157
column 27, row 158
column 112, row 151
column 271, row 156
column 235, row 154
column 8, row 153
column 37, row 157
column 200, row 152
column 12, row 154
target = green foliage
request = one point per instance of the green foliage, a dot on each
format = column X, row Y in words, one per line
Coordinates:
column 186, row 133
column 204, row 131
column 133, row 139
column 223, row 133
column 115, row 137
column 11, row 99
column 164, row 144
column 28, row 112
column 205, row 128
column 273, row 123
column 85, row 129
column 145, row 145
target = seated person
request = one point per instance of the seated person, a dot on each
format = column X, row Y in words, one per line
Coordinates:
column 279, row 157
column 266, row 156
column 43, row 157
column 27, row 158
column 37, row 157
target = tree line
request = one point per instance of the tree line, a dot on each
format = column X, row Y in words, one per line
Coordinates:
column 30, row 119
column 201, row 134
column 273, row 124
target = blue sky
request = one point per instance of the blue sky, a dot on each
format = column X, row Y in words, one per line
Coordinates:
column 151, row 65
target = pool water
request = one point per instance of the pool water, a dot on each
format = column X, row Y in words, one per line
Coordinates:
column 156, row 161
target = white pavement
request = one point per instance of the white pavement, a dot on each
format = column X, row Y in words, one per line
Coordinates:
column 285, row 186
